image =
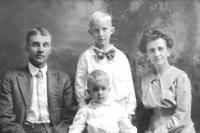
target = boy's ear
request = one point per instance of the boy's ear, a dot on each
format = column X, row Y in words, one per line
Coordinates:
column 113, row 29
column 109, row 88
column 88, row 91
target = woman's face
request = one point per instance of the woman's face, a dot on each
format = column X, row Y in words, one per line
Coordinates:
column 158, row 52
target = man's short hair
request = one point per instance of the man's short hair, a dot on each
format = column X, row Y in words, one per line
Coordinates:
column 99, row 15
column 97, row 76
column 37, row 31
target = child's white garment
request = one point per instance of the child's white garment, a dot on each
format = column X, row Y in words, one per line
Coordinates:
column 108, row 117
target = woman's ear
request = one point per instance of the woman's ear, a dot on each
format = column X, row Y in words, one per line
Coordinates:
column 90, row 31
column 169, row 52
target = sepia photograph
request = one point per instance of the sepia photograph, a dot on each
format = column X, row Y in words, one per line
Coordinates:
column 100, row 66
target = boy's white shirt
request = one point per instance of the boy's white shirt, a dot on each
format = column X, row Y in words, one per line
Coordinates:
column 119, row 72
column 108, row 117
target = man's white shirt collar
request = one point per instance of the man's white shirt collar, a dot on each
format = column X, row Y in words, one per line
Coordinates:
column 34, row 70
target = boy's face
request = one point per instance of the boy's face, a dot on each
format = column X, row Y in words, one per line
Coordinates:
column 99, row 91
column 101, row 31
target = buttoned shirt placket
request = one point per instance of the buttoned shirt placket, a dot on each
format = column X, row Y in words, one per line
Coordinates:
column 40, row 94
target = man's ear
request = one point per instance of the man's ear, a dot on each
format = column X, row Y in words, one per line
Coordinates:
column 26, row 47
column 90, row 31
column 51, row 48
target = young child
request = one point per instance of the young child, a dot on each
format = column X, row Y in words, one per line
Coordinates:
column 104, row 56
column 102, row 114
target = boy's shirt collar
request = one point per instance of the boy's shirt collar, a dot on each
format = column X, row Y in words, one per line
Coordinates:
column 111, row 46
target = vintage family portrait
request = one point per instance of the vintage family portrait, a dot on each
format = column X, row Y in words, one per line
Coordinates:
column 100, row 66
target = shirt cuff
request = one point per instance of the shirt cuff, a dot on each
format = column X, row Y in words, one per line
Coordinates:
column 130, row 109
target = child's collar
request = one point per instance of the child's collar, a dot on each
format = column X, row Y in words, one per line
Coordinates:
column 108, row 102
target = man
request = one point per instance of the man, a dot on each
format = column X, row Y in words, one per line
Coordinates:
column 36, row 99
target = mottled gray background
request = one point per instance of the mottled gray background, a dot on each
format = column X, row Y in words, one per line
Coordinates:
column 67, row 20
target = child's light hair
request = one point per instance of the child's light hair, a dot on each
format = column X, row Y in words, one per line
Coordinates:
column 97, row 76
column 98, row 16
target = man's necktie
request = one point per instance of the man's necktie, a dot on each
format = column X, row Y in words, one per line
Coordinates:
column 101, row 55
column 40, row 93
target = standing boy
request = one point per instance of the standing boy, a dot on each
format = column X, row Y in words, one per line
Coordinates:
column 105, row 56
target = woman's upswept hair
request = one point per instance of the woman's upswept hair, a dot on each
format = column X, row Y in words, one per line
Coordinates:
column 152, row 34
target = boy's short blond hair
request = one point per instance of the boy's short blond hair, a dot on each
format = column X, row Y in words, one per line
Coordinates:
column 99, row 15
column 97, row 76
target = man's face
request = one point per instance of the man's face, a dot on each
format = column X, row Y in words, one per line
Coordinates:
column 101, row 32
column 39, row 49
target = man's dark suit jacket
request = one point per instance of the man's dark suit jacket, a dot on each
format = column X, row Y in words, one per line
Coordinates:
column 15, row 100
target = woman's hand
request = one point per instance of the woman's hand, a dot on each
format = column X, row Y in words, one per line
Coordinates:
column 169, row 125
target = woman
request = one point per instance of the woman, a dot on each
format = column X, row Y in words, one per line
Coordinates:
column 165, row 89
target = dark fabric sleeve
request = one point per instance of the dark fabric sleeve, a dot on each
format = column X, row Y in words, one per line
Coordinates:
column 7, row 117
column 68, row 108
column 143, row 116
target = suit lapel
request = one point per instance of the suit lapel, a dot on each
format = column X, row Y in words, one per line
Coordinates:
column 52, row 85
column 25, row 85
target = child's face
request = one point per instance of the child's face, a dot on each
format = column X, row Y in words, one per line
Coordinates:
column 101, row 31
column 100, row 91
